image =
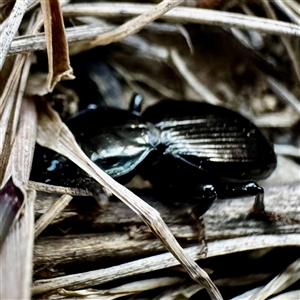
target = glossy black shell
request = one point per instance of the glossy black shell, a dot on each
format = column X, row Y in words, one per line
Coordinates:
column 191, row 140
column 215, row 140
column 116, row 140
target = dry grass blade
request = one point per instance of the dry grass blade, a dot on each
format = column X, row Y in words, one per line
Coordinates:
column 187, row 14
column 57, row 46
column 130, row 78
column 289, row 12
column 284, row 94
column 136, row 24
column 287, row 150
column 184, row 292
column 144, row 285
column 286, row 118
column 10, row 103
column 11, row 27
column 224, row 247
column 162, row 261
column 52, row 133
column 32, row 4
column 218, row 223
column 23, row 148
column 5, row 8
column 285, row 41
column 17, row 147
column 38, row 42
column 16, row 256
column 292, row 295
column 247, row 295
column 192, row 80
column 88, row 294
column 294, row 6
column 281, row 282
column 51, row 214
column 79, row 248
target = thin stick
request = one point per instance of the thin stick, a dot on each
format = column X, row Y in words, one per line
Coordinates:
column 186, row 14
column 138, row 23
column 162, row 261
column 38, row 42
column 54, row 189
column 50, row 215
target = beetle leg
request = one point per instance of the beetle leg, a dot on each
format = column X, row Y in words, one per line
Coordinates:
column 199, row 197
column 239, row 190
column 205, row 196
column 201, row 230
column 259, row 205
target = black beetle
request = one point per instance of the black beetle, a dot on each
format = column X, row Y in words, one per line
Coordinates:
column 188, row 150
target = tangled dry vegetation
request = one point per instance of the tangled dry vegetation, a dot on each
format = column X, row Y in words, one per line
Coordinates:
column 57, row 242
